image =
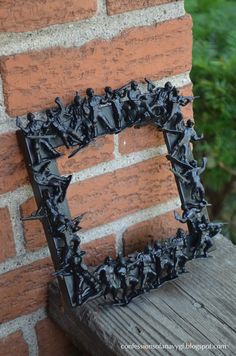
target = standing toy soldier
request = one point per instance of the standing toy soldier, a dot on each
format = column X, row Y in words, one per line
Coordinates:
column 148, row 275
column 122, row 274
column 79, row 121
column 92, row 105
column 107, row 276
column 114, row 98
column 157, row 254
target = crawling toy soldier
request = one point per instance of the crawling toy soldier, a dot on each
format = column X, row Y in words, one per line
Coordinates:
column 36, row 131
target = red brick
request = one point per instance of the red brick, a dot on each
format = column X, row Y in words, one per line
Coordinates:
column 32, row 80
column 13, row 173
column 13, row 345
column 52, row 341
column 27, row 15
column 133, row 140
column 24, row 289
column 136, row 237
column 101, row 150
column 6, row 236
column 33, row 229
column 118, row 6
column 110, row 196
column 97, row 250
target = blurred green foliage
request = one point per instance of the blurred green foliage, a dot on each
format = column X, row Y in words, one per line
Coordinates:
column 214, row 78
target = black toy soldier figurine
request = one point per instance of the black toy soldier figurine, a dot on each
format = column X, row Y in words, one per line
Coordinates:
column 122, row 274
column 79, row 121
column 44, row 177
column 191, row 211
column 68, row 135
column 36, row 131
column 93, row 105
column 148, row 275
column 187, row 135
column 114, row 98
column 164, row 98
column 138, row 102
column 191, row 177
column 157, row 254
column 180, row 245
column 85, row 284
column 108, row 278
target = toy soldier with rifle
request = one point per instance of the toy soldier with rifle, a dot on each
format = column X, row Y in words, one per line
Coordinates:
column 139, row 107
column 108, row 278
column 79, row 122
column 191, row 177
column 93, row 106
column 114, row 98
column 36, row 131
column 44, row 177
column 68, row 135
column 187, row 135
column 85, row 284
column 148, row 274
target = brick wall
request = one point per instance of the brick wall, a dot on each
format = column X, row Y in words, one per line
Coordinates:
column 50, row 48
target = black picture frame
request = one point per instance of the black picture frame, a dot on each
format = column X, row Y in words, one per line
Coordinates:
column 76, row 125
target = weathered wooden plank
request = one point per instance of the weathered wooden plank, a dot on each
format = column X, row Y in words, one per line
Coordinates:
column 197, row 308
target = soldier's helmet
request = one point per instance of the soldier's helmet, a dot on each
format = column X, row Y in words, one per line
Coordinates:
column 180, row 233
column 89, row 92
column 108, row 90
column 134, row 84
column 30, row 116
column 168, row 86
column 77, row 99
column 190, row 123
column 108, row 261
column 193, row 163
column 147, row 249
column 157, row 245
column 49, row 113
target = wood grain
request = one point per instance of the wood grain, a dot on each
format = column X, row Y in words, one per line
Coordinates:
column 197, row 308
